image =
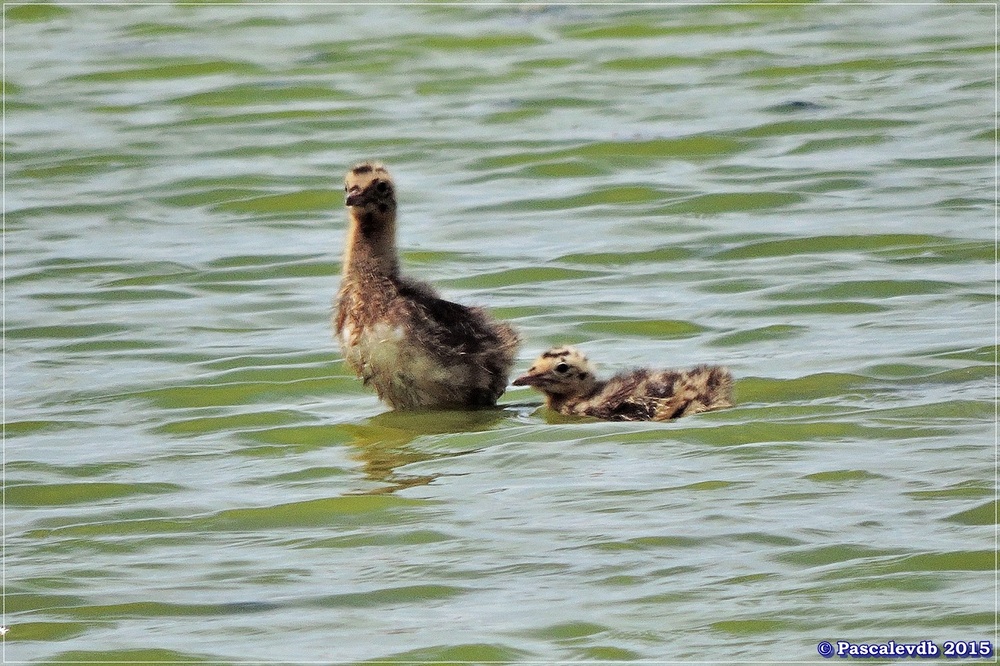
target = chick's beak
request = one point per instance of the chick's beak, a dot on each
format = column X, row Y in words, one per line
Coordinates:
column 354, row 198
column 528, row 379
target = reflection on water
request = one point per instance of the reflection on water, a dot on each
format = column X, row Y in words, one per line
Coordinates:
column 384, row 442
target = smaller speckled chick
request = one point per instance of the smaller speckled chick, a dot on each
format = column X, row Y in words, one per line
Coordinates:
column 567, row 379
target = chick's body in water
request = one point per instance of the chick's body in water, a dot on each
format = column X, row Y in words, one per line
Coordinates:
column 569, row 384
column 413, row 347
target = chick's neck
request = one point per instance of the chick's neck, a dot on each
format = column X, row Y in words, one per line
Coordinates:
column 371, row 243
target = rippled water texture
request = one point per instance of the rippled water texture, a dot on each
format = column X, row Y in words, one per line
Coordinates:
column 802, row 193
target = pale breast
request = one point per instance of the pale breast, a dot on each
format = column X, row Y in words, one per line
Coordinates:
column 347, row 335
column 403, row 374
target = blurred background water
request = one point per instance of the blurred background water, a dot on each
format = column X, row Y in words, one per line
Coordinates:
column 803, row 193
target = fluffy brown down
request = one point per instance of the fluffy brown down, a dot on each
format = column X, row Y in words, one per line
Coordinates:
column 567, row 379
column 414, row 348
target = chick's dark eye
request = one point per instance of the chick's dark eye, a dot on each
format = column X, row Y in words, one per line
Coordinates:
column 562, row 367
column 381, row 186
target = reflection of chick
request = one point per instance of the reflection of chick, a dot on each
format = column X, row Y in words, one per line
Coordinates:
column 416, row 349
column 567, row 379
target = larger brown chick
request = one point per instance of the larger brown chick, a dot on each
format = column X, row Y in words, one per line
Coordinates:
column 414, row 348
